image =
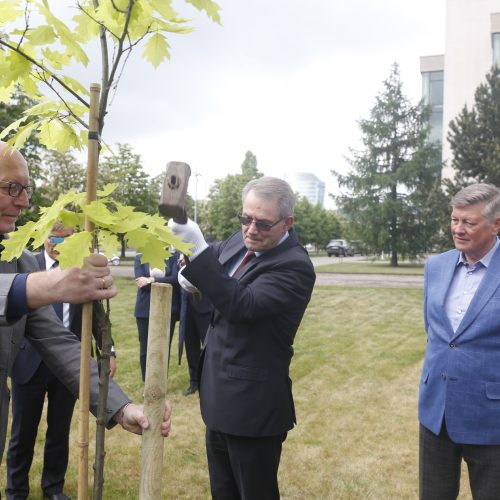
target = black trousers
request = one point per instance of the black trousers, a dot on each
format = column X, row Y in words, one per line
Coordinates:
column 27, row 406
column 195, row 329
column 440, row 463
column 243, row 468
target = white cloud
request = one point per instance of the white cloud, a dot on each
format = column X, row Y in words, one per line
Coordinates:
column 286, row 79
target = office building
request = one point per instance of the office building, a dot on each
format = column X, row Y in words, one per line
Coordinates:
column 308, row 186
column 449, row 81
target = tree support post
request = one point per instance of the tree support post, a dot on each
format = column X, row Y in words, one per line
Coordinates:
column 83, row 424
column 155, row 389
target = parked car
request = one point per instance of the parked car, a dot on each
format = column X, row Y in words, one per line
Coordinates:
column 339, row 248
column 114, row 260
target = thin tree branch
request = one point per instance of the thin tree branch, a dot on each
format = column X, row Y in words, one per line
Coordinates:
column 43, row 68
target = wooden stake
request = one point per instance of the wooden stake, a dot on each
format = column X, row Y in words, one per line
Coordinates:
column 83, row 425
column 155, row 389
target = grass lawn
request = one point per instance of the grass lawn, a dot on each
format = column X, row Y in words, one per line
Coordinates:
column 356, row 369
column 368, row 267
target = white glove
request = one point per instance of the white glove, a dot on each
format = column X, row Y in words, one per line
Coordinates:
column 157, row 273
column 186, row 284
column 190, row 232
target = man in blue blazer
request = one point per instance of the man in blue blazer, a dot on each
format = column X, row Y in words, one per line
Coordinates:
column 459, row 403
column 32, row 380
column 144, row 278
column 245, row 389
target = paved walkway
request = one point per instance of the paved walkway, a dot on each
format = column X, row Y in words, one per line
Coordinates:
column 332, row 279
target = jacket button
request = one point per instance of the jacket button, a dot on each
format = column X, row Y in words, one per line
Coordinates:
column 443, row 376
column 452, row 345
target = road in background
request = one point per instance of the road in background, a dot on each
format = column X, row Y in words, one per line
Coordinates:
column 330, row 279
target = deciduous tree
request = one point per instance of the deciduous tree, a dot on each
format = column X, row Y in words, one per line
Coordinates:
column 224, row 199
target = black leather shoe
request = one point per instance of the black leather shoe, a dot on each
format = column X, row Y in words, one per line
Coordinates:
column 190, row 390
column 56, row 496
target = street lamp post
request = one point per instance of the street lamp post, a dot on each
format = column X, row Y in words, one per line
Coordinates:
column 196, row 175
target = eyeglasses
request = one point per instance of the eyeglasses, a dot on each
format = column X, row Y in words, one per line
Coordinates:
column 55, row 240
column 15, row 189
column 259, row 224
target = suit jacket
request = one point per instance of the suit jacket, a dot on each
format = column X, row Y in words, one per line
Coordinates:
column 461, row 370
column 58, row 347
column 28, row 360
column 144, row 294
column 245, row 389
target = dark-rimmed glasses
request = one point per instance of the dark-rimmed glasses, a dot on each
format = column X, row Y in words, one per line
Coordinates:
column 15, row 189
column 259, row 224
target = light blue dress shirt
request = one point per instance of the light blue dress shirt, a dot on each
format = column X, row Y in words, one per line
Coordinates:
column 466, row 281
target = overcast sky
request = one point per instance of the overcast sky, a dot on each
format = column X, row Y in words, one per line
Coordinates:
column 285, row 79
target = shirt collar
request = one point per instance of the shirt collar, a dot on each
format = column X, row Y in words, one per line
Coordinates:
column 485, row 261
column 285, row 236
column 49, row 261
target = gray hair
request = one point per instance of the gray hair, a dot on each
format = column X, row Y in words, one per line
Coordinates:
column 272, row 188
column 479, row 193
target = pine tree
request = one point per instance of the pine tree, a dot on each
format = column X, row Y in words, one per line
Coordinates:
column 392, row 176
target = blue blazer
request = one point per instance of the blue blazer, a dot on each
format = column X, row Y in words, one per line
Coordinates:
column 461, row 371
column 144, row 293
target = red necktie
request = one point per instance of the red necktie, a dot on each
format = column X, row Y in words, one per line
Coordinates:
column 246, row 258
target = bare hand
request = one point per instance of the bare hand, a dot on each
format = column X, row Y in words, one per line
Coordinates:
column 112, row 366
column 75, row 286
column 142, row 281
column 132, row 419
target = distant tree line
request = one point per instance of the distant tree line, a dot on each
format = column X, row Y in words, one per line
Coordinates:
column 54, row 173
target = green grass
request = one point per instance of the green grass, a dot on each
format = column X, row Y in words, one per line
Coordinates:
column 367, row 267
column 355, row 371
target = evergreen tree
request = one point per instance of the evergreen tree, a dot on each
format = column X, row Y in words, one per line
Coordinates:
column 391, row 178
column 474, row 136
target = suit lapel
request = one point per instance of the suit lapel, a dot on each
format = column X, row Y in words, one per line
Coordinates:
column 445, row 277
column 488, row 285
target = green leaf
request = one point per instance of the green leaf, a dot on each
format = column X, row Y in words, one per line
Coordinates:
column 57, row 135
column 22, row 134
column 75, row 85
column 74, row 249
column 42, row 35
column 99, row 213
column 211, row 8
column 17, row 241
column 106, row 190
column 156, row 50
column 9, row 11
column 71, row 219
column 108, row 242
column 152, row 249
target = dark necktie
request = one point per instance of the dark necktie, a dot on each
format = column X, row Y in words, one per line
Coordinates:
column 58, row 308
column 249, row 255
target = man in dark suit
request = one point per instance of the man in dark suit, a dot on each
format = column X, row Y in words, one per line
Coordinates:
column 31, row 382
column 144, row 277
column 245, row 390
column 459, row 403
column 26, row 313
column 196, row 312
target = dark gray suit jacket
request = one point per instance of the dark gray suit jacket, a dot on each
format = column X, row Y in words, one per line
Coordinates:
column 245, row 389
column 58, row 347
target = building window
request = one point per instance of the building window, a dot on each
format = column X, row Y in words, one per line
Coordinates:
column 495, row 41
column 432, row 93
